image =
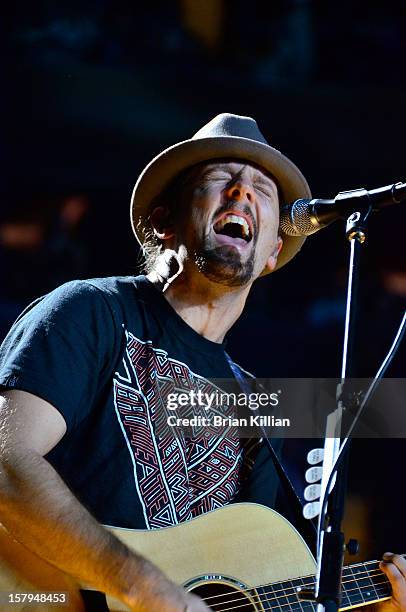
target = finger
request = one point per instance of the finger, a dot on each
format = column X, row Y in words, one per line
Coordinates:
column 195, row 604
column 397, row 560
column 396, row 578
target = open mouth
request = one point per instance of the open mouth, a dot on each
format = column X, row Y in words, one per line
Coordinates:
column 234, row 226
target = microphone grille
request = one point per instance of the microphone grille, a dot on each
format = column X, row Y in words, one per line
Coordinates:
column 295, row 219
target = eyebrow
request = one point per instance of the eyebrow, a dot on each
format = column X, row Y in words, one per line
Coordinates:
column 264, row 180
column 216, row 167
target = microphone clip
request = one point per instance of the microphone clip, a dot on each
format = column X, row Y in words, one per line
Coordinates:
column 360, row 207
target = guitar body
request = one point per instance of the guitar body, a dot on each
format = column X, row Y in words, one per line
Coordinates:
column 220, row 556
column 229, row 549
column 236, row 547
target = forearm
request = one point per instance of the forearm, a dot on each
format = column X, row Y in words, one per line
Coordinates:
column 40, row 511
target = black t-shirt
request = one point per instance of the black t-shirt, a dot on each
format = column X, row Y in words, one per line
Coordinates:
column 99, row 351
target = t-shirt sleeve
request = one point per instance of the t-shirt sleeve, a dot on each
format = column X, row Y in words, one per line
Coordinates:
column 61, row 349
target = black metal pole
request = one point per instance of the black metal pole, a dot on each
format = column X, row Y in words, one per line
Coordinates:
column 331, row 538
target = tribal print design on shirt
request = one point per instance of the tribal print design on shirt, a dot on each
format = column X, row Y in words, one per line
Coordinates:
column 176, row 478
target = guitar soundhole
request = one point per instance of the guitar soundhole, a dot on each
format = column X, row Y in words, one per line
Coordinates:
column 221, row 596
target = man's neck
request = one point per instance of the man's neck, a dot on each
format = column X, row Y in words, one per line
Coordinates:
column 209, row 308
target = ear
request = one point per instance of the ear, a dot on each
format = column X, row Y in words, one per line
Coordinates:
column 160, row 223
column 271, row 263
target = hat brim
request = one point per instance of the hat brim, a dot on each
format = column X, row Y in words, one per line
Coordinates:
column 168, row 164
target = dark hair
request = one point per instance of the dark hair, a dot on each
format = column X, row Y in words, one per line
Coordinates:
column 172, row 194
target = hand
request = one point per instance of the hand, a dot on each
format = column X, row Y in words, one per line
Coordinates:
column 156, row 593
column 394, row 566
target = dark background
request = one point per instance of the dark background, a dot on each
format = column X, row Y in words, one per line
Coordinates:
column 96, row 89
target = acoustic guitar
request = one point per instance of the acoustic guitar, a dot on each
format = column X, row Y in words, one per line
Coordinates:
column 242, row 557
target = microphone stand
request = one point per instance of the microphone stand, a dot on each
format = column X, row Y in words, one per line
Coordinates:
column 331, row 545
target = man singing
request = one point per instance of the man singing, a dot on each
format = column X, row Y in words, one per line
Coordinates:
column 83, row 370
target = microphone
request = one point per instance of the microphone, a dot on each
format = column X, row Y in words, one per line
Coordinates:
column 305, row 217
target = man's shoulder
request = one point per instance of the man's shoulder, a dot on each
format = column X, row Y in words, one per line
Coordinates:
column 112, row 286
column 105, row 283
column 94, row 295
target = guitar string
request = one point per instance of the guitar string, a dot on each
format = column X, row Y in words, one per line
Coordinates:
column 279, row 606
column 267, row 600
column 291, row 590
column 360, row 576
column 270, row 599
column 264, row 596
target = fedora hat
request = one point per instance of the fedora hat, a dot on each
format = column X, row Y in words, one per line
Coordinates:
column 230, row 136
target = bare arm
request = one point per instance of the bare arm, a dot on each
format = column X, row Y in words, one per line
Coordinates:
column 40, row 511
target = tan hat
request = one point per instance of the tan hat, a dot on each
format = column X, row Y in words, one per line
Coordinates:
column 230, row 136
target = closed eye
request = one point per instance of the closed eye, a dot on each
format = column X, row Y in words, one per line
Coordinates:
column 265, row 190
column 218, row 177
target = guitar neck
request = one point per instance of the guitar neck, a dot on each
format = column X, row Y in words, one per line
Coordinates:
column 362, row 583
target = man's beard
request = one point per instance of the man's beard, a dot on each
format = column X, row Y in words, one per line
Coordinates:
column 223, row 265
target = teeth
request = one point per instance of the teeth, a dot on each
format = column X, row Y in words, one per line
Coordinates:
column 234, row 219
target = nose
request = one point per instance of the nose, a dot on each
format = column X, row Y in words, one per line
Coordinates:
column 240, row 191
